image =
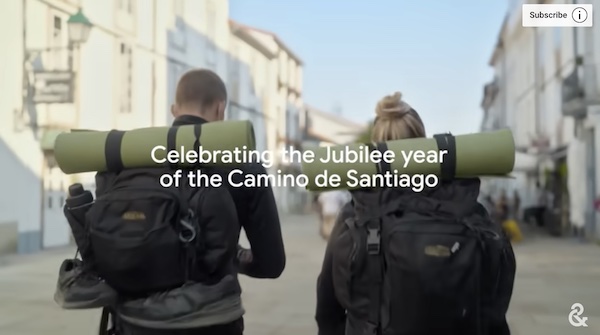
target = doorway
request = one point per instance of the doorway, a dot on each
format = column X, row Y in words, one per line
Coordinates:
column 55, row 229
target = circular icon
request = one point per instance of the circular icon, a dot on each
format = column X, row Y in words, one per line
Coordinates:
column 579, row 15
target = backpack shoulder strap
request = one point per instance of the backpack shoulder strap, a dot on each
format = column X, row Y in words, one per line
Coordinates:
column 374, row 270
column 189, row 225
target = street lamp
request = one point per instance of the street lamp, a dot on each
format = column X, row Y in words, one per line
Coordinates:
column 79, row 28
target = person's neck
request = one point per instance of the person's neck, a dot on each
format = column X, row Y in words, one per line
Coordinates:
column 185, row 119
column 194, row 114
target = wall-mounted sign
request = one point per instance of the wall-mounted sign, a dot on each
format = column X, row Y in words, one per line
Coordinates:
column 53, row 87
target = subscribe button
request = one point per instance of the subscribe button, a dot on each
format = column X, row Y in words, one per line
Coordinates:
column 579, row 15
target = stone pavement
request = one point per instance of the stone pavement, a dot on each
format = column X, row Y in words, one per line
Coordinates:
column 552, row 275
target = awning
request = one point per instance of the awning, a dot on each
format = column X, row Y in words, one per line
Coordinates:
column 525, row 162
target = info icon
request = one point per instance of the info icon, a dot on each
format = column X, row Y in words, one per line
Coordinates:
column 579, row 15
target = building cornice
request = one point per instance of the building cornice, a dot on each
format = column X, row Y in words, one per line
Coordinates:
column 499, row 46
column 243, row 34
column 276, row 38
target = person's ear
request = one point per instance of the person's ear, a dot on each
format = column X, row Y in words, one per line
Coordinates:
column 221, row 111
column 174, row 110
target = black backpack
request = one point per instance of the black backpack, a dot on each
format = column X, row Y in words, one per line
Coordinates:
column 145, row 238
column 400, row 272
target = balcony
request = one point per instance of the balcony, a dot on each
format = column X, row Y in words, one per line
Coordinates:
column 579, row 92
column 490, row 92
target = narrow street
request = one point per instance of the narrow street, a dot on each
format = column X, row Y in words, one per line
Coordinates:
column 552, row 275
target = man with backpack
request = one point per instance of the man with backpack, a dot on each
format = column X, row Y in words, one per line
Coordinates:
column 172, row 254
column 255, row 206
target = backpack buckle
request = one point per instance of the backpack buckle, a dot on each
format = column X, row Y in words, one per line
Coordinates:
column 188, row 231
column 373, row 241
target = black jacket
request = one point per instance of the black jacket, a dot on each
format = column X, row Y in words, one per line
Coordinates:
column 215, row 298
column 258, row 215
column 459, row 196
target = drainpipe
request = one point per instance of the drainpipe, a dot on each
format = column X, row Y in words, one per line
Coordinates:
column 590, row 214
column 578, row 121
column 25, row 83
column 153, row 87
column 589, row 69
column 536, row 81
column 25, row 246
column 583, row 133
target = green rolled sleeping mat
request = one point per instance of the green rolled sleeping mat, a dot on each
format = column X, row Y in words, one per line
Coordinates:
column 470, row 155
column 89, row 151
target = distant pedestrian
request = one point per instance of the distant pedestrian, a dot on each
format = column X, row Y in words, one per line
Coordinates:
column 542, row 203
column 316, row 205
column 516, row 205
column 330, row 203
column 503, row 206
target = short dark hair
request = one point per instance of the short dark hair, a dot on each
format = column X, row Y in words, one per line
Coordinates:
column 200, row 86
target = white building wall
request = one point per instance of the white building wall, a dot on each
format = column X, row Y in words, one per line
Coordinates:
column 249, row 87
column 555, row 61
column 164, row 37
column 515, row 104
column 20, row 174
column 594, row 118
column 282, row 109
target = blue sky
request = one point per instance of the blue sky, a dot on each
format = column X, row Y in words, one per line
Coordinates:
column 356, row 51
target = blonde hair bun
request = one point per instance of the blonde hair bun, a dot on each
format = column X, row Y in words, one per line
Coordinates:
column 392, row 107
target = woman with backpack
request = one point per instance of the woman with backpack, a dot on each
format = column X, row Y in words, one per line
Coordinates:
column 402, row 262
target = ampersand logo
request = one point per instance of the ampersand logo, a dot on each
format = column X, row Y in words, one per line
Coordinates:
column 575, row 318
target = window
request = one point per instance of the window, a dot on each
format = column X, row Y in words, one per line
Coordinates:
column 541, row 48
column 211, row 33
column 57, row 24
column 173, row 77
column 557, row 37
column 541, row 123
column 126, row 6
column 211, row 55
column 176, row 70
column 57, row 41
column 531, row 123
column 126, row 74
column 177, row 35
column 124, row 16
column 557, row 51
column 234, row 86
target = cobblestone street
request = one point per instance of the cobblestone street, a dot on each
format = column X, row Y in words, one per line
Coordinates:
column 552, row 275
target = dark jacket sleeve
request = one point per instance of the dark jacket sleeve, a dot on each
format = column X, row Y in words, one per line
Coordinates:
column 498, row 324
column 330, row 315
column 216, row 211
column 259, row 217
column 508, row 269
